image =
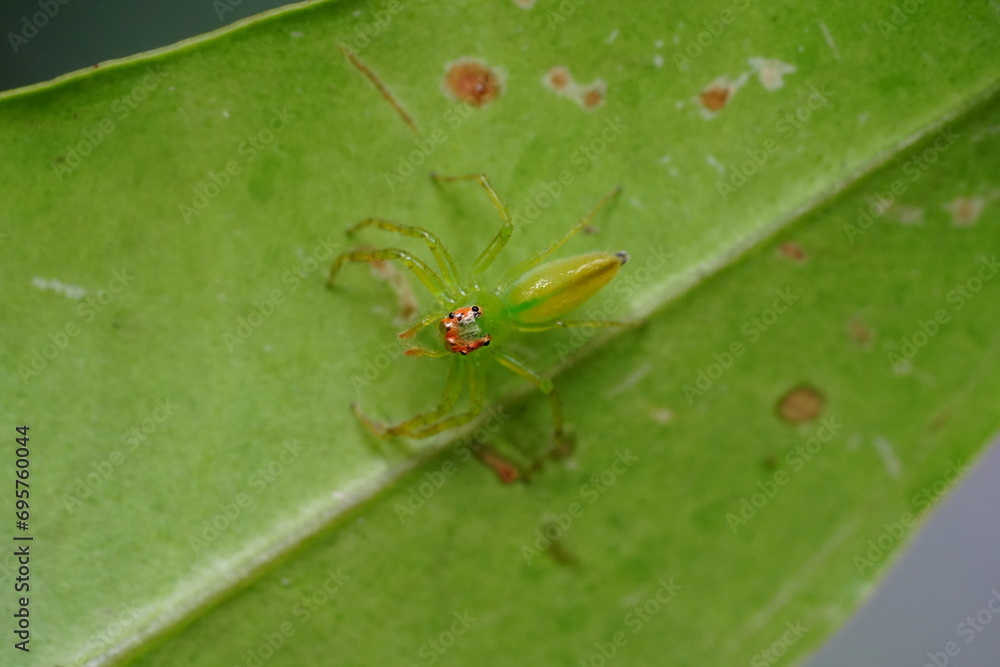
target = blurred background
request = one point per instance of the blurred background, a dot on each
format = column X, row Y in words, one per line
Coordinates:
column 950, row 572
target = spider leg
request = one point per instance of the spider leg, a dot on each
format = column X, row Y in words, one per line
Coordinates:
column 506, row 229
column 423, row 272
column 434, row 421
column 424, row 352
column 477, row 397
column 445, row 263
column 420, row 324
column 580, row 225
column 563, row 443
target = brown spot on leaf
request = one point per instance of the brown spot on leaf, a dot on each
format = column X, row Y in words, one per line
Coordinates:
column 560, row 81
column 860, row 332
column 714, row 97
column 718, row 94
column 473, row 81
column 801, row 404
column 592, row 97
column 965, row 210
column 939, row 420
column 792, row 251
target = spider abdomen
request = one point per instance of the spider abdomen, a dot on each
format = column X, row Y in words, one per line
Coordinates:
column 549, row 291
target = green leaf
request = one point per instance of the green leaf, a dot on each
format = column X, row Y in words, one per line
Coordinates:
column 201, row 493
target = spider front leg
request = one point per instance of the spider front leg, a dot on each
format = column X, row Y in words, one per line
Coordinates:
column 562, row 442
column 435, row 421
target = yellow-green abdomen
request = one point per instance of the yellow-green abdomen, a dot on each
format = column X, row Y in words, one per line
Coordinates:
column 549, row 291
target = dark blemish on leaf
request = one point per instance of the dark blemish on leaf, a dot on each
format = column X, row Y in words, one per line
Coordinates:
column 472, row 81
column 801, row 404
column 860, row 333
column 592, row 97
column 939, row 420
column 965, row 210
column 561, row 82
column 381, row 87
column 561, row 555
column 715, row 96
column 792, row 251
column 718, row 94
column 552, row 532
column 558, row 79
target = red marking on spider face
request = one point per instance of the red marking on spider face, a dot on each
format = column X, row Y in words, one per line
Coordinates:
column 461, row 330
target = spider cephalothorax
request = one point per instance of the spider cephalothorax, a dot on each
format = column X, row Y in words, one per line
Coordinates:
column 462, row 332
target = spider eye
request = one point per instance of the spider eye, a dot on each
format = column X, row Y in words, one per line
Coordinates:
column 451, row 316
column 475, row 309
